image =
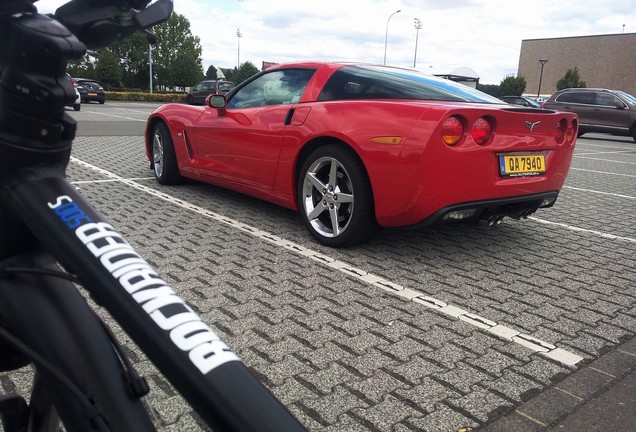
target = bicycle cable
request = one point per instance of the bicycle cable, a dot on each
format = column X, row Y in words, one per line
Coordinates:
column 136, row 384
column 93, row 411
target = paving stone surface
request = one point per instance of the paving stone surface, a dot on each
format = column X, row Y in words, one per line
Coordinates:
column 345, row 355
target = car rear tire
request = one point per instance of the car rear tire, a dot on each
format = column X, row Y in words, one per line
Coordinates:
column 335, row 197
column 164, row 159
column 77, row 107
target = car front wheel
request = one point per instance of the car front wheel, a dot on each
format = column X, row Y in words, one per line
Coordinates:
column 335, row 197
column 164, row 160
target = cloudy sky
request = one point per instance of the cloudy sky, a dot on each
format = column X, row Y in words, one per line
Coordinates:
column 484, row 35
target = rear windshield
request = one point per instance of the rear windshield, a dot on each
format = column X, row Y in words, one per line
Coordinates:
column 377, row 82
column 226, row 86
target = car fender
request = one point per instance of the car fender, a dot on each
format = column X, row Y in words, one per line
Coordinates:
column 372, row 142
column 181, row 121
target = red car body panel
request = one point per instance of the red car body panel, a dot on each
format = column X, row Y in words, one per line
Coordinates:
column 256, row 150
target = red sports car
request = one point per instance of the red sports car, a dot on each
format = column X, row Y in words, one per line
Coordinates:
column 354, row 147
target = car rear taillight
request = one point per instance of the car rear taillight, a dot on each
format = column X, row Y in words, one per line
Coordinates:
column 481, row 131
column 452, row 130
column 572, row 130
column 559, row 131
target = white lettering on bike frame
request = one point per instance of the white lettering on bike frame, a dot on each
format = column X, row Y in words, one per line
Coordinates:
column 187, row 331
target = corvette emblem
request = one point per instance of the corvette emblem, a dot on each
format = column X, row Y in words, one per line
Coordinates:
column 531, row 125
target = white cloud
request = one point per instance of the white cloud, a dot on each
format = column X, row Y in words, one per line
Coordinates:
column 484, row 35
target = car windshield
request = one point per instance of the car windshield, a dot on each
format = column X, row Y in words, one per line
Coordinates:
column 377, row 82
column 631, row 100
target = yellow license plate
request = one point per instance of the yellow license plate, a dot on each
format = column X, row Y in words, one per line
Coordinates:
column 521, row 165
column 92, row 94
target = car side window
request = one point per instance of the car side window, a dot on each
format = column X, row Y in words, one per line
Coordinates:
column 272, row 88
column 606, row 99
column 586, row 98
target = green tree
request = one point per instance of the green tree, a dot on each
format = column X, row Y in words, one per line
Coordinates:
column 491, row 89
column 571, row 79
column 186, row 70
column 108, row 70
column 133, row 54
column 211, row 73
column 174, row 38
column 512, row 86
column 82, row 68
column 245, row 71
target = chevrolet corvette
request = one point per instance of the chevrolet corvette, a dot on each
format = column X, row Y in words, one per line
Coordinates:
column 356, row 147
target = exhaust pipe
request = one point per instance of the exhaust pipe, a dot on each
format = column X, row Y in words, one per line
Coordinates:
column 493, row 219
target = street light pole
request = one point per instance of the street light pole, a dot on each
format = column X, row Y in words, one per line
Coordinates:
column 418, row 26
column 150, row 64
column 386, row 35
column 238, row 60
column 543, row 62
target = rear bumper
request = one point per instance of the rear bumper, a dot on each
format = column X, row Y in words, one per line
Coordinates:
column 492, row 210
column 93, row 98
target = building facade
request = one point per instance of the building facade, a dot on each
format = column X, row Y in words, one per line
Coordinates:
column 606, row 61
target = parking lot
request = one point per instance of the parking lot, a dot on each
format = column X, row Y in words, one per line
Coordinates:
column 435, row 329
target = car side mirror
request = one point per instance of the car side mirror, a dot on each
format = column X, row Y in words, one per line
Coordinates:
column 620, row 105
column 216, row 101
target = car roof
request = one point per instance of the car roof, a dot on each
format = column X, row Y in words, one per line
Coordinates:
column 326, row 69
column 585, row 89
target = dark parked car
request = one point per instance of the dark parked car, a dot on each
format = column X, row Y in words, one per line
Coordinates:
column 205, row 88
column 599, row 110
column 521, row 100
column 90, row 90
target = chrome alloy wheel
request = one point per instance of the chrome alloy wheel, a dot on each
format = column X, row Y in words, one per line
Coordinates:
column 328, row 197
column 157, row 152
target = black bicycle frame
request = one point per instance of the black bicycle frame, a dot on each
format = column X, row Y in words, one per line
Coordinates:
column 191, row 356
column 41, row 210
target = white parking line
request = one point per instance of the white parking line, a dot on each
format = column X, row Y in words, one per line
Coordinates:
column 599, row 192
column 132, row 110
column 604, row 172
column 606, row 160
column 584, row 230
column 580, row 144
column 544, row 348
column 113, row 115
column 612, row 152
